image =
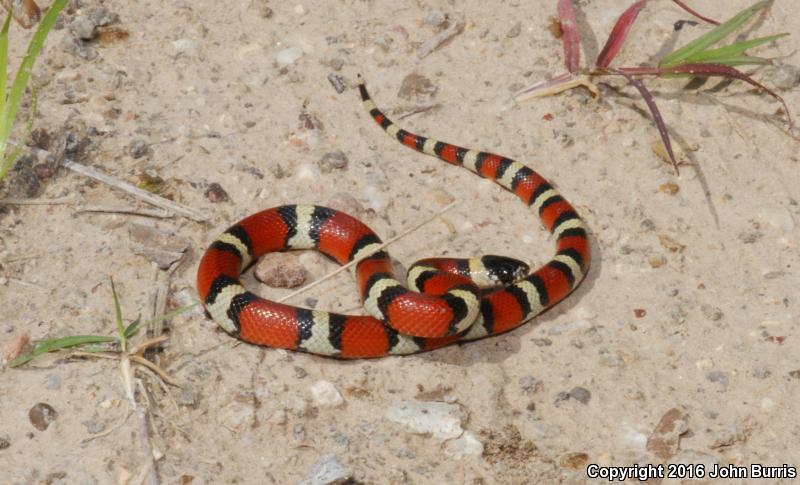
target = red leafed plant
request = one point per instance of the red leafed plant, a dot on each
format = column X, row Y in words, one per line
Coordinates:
column 696, row 59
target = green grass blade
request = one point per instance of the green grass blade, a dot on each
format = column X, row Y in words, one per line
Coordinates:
column 118, row 317
column 710, row 38
column 28, row 127
column 44, row 346
column 24, row 71
column 732, row 50
column 4, row 61
column 132, row 328
column 740, row 61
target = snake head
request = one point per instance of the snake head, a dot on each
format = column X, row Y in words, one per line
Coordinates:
column 504, row 270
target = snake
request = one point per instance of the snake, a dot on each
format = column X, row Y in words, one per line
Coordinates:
column 445, row 300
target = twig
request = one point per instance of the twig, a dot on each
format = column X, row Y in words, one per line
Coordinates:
column 158, row 370
column 123, row 209
column 124, row 186
column 13, row 201
column 437, row 40
column 370, row 253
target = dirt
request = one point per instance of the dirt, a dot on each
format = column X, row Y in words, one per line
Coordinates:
column 680, row 347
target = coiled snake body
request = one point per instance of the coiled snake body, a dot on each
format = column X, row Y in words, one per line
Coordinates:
column 447, row 300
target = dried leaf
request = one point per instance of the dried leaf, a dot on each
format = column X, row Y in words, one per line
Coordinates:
column 25, row 12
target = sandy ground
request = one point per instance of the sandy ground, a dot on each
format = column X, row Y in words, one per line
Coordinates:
column 680, row 347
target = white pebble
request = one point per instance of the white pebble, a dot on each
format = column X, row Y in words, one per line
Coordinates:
column 704, row 364
column 440, row 420
column 779, row 217
column 307, row 173
column 767, row 404
column 326, row 471
column 182, row 45
column 466, row 445
column 325, row 394
column 299, row 9
column 558, row 329
column 289, row 55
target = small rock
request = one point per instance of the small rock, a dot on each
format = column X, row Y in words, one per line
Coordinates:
column 730, row 436
column 138, row 148
column 187, row 397
column 466, row 445
column 337, row 82
column 182, row 45
column 342, row 201
column 783, row 76
column 324, row 394
column 435, row 18
column 5, row 442
column 41, row 415
column 216, row 194
column 335, row 160
column 18, row 345
column 779, row 217
column 441, row 420
column 704, row 364
column 711, row 312
column 94, row 426
column 262, row 8
column 580, row 394
column 53, row 382
column 542, row 342
column 719, row 377
column 569, row 327
column 280, row 270
column 328, row 470
column 794, row 374
column 101, row 17
column 337, row 63
column 529, row 384
column 575, row 461
column 415, row 86
column 761, row 373
column 82, row 27
column 665, row 438
column 514, row 31
column 289, row 56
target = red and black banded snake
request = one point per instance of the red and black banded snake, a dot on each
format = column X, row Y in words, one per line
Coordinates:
column 449, row 306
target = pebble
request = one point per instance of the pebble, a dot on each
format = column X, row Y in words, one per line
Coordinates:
column 465, row 445
column 783, row 76
column 18, row 345
column 441, row 420
column 324, row 394
column 187, row 397
column 761, row 373
column 580, row 394
column 335, row 160
column 138, row 148
column 719, row 377
column 182, row 45
column 794, row 374
column 5, row 442
column 41, row 415
column 280, row 270
column 337, row 82
column 53, row 382
column 779, row 217
column 711, row 312
column 575, row 461
column 435, row 18
column 415, row 87
column 767, row 404
column 342, row 201
column 102, row 17
column 729, row 436
column 328, row 470
column 216, row 194
column 289, row 55
column 569, row 327
column 704, row 364
column 514, row 31
column 262, row 8
column 82, row 27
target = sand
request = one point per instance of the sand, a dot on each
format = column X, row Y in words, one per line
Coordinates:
column 680, row 347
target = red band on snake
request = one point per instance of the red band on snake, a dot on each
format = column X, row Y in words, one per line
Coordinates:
column 447, row 300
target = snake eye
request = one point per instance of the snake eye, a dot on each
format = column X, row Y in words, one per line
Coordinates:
column 504, row 270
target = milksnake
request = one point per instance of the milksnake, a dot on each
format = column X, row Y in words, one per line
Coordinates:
column 449, row 305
